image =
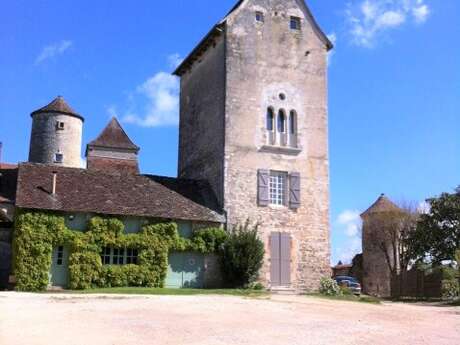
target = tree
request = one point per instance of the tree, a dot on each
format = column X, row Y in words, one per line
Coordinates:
column 242, row 255
column 438, row 232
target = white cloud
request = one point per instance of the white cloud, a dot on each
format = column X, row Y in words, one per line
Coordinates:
column 83, row 163
column 348, row 223
column 368, row 20
column 424, row 207
column 174, row 60
column 53, row 50
column 155, row 102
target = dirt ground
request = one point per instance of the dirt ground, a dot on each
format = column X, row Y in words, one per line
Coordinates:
column 43, row 319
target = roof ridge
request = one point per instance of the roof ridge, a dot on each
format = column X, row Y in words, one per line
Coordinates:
column 114, row 136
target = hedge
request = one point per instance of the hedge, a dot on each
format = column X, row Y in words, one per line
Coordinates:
column 36, row 233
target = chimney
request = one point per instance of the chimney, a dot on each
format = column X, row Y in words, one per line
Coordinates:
column 53, row 192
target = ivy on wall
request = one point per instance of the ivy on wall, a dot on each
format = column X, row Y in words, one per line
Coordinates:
column 36, row 233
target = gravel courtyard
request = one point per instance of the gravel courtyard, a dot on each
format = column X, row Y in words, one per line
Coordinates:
column 43, row 319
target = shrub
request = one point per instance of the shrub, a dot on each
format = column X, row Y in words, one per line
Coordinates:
column 450, row 289
column 242, row 256
column 329, row 287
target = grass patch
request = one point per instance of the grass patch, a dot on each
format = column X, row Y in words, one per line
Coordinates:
column 169, row 292
column 349, row 298
column 455, row 303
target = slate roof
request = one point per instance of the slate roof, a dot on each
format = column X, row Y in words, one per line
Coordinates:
column 8, row 178
column 81, row 190
column 60, row 106
column 114, row 136
column 219, row 27
column 383, row 204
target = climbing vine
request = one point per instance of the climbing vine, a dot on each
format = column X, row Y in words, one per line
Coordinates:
column 36, row 233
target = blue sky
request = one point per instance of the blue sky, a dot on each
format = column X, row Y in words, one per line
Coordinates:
column 394, row 86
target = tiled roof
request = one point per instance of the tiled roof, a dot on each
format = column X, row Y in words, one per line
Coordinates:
column 383, row 204
column 58, row 105
column 199, row 191
column 114, row 136
column 8, row 178
column 80, row 190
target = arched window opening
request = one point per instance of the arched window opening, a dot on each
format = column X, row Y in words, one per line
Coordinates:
column 281, row 121
column 270, row 119
column 293, row 128
column 293, row 122
column 282, row 128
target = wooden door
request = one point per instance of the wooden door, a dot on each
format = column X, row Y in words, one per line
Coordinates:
column 280, row 251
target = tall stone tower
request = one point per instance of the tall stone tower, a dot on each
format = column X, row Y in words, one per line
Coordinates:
column 375, row 239
column 254, row 123
column 56, row 135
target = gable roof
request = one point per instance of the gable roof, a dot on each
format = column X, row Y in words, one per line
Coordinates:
column 87, row 191
column 59, row 106
column 217, row 29
column 114, row 136
column 382, row 205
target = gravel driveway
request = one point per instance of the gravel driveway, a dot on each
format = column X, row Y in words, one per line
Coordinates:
column 43, row 319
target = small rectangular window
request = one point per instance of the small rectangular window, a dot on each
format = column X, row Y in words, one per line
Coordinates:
column 278, row 182
column 105, row 256
column 58, row 158
column 260, row 17
column 60, row 125
column 131, row 256
column 295, row 23
column 118, row 256
column 60, row 255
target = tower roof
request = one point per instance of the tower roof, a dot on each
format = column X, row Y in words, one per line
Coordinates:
column 59, row 106
column 114, row 136
column 382, row 205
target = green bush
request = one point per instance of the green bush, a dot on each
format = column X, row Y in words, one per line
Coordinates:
column 36, row 233
column 450, row 289
column 329, row 287
column 242, row 256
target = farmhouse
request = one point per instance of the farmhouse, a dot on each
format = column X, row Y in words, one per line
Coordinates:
column 253, row 144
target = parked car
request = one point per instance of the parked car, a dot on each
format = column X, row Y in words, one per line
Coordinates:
column 349, row 282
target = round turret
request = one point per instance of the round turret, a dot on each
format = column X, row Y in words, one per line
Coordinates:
column 56, row 135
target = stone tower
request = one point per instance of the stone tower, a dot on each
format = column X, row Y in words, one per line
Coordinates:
column 56, row 135
column 254, row 123
column 376, row 273
column 113, row 151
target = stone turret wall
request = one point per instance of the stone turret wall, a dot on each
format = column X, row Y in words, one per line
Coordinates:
column 47, row 140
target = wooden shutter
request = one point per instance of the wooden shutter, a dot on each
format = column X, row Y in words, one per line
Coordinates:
column 275, row 259
column 285, row 259
column 263, row 181
column 294, row 190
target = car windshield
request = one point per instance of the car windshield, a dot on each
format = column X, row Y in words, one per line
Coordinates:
column 351, row 279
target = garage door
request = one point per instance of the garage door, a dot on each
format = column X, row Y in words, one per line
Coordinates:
column 185, row 270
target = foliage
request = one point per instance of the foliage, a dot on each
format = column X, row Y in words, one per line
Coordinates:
column 242, row 255
column 329, row 287
column 450, row 289
column 36, row 233
column 438, row 232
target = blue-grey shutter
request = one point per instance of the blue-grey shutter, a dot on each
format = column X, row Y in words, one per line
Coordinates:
column 285, row 259
column 294, row 190
column 275, row 259
column 263, row 180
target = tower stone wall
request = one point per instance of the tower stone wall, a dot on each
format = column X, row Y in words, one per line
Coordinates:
column 56, row 130
column 267, row 64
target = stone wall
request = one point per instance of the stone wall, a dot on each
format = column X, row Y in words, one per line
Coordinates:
column 46, row 140
column 202, row 108
column 264, row 60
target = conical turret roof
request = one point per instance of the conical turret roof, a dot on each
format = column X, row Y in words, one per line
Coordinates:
column 59, row 106
column 383, row 204
column 114, row 136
